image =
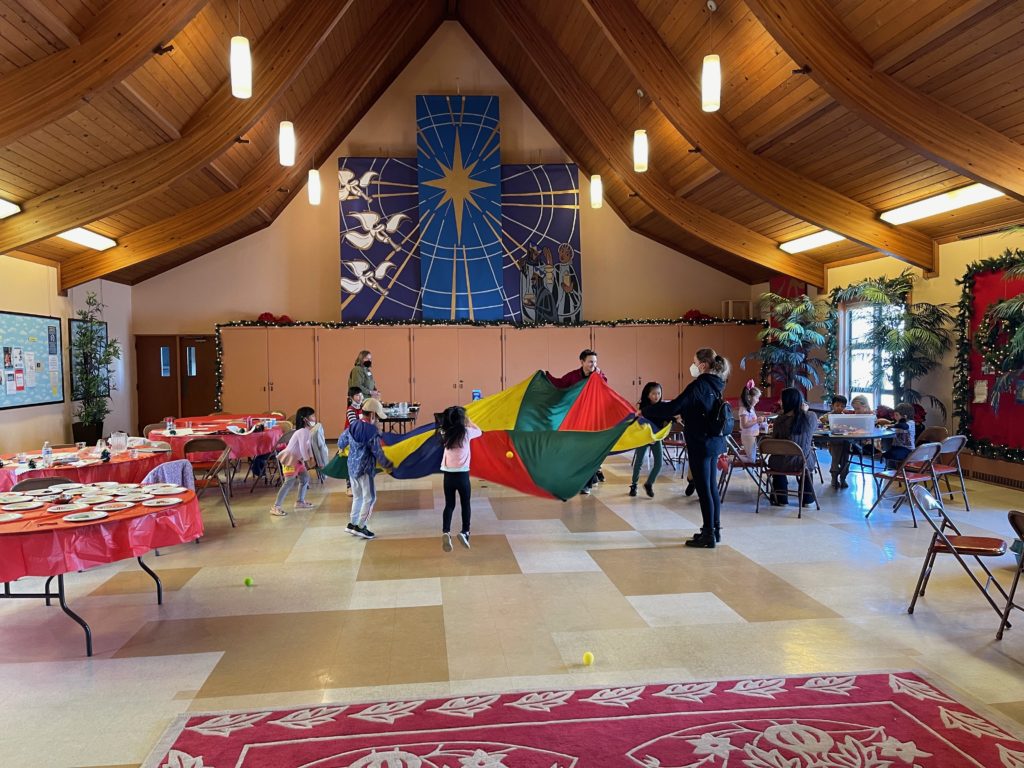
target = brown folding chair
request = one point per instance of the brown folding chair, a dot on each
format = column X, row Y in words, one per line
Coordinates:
column 207, row 471
column 948, row 465
column 271, row 474
column 674, row 446
column 773, row 446
column 37, row 483
column 150, row 427
column 738, row 459
column 932, row 435
column 1017, row 523
column 948, row 540
column 913, row 470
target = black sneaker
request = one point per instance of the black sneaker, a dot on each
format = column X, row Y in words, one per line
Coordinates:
column 585, row 491
column 464, row 538
column 690, row 488
column 649, row 489
column 702, row 543
column 446, row 542
column 353, row 529
column 600, row 476
column 632, row 490
column 366, row 533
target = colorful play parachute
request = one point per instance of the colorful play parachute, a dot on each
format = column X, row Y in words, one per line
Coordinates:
column 538, row 438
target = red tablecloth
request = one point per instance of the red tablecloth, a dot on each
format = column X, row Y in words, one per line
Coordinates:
column 253, row 444
column 121, row 468
column 41, row 544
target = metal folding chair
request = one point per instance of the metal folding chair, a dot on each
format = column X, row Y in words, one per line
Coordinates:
column 38, row 483
column 1017, row 523
column 217, row 470
column 948, row 464
column 739, row 459
column 773, row 446
column 913, row 470
column 674, row 447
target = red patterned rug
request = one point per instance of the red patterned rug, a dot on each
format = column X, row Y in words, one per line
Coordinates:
column 843, row 721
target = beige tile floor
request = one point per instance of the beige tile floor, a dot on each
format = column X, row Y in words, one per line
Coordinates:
column 333, row 618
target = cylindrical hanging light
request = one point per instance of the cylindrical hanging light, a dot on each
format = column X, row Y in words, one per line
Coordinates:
column 640, row 150
column 596, row 191
column 286, row 143
column 241, row 68
column 711, row 83
column 313, row 186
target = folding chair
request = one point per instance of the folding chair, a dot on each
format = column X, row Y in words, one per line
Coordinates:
column 38, row 483
column 948, row 464
column 217, row 470
column 271, row 474
column 913, row 470
column 786, row 448
column 674, row 447
column 739, row 459
column 150, row 427
column 1017, row 523
column 956, row 544
column 932, row 435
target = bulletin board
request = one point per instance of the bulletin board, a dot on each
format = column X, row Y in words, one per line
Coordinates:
column 33, row 364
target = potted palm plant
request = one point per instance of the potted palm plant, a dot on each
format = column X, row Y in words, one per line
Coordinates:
column 92, row 372
column 796, row 327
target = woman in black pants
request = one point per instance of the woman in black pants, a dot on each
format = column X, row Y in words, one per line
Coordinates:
column 710, row 371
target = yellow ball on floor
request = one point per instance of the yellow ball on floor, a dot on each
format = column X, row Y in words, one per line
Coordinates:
column 509, row 454
column 588, row 659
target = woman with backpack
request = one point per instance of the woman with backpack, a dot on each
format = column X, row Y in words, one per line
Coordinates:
column 707, row 418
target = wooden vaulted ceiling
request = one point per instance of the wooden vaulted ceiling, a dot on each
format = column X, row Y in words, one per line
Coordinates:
column 117, row 115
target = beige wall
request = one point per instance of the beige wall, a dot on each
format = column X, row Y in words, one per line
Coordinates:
column 292, row 266
column 940, row 288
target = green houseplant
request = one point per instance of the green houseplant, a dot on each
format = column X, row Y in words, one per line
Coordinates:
column 796, row 327
column 92, row 372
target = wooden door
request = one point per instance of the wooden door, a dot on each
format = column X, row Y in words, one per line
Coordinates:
column 737, row 341
column 616, row 356
column 524, row 352
column 336, row 350
column 197, row 357
column 564, row 347
column 246, row 383
column 657, row 357
column 392, row 362
column 156, row 378
column 291, row 353
column 435, row 355
column 479, row 362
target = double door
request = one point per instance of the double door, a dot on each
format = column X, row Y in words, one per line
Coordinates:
column 268, row 369
column 175, row 376
column 450, row 362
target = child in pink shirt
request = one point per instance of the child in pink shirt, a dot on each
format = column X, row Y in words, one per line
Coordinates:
column 456, row 430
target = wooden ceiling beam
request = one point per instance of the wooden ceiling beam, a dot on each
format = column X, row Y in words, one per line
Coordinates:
column 150, row 111
column 813, row 36
column 676, row 93
column 120, row 40
column 610, row 140
column 387, row 44
column 279, row 57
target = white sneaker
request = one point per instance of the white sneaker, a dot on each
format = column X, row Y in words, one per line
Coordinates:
column 276, row 511
column 446, row 542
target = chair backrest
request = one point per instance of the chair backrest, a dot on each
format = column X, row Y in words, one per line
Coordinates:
column 277, row 415
column 178, row 471
column 773, row 446
column 1016, row 522
column 150, row 427
column 952, row 446
column 925, row 454
column 282, row 442
column 932, row 435
column 204, row 445
column 287, row 426
column 35, row 483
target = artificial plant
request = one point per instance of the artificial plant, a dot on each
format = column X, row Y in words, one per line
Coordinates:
column 796, row 327
column 92, row 359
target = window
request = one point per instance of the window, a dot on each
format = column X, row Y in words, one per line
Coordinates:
column 190, row 361
column 165, row 361
column 868, row 368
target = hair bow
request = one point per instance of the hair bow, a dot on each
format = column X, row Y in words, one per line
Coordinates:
column 750, row 383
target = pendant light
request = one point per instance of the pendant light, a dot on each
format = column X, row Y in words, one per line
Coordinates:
column 640, row 148
column 711, row 73
column 313, row 186
column 596, row 191
column 286, row 143
column 241, row 62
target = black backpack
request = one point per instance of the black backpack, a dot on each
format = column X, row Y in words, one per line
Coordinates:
column 719, row 418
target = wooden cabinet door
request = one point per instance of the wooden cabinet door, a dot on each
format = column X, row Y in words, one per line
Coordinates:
column 657, row 357
column 479, row 362
column 336, row 350
column 392, row 362
column 291, row 353
column 435, row 355
column 564, row 347
column 616, row 356
column 737, row 341
column 245, row 387
column 525, row 351
column 694, row 338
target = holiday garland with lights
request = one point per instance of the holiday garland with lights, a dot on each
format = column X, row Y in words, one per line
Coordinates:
column 691, row 318
column 987, row 338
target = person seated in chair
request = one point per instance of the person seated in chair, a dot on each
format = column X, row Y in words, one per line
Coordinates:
column 903, row 439
column 796, row 423
column 840, row 449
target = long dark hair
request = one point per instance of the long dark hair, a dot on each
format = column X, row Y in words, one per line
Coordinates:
column 644, row 399
column 453, row 426
column 792, row 398
column 302, row 414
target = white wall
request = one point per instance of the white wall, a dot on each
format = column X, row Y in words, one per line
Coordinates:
column 292, row 267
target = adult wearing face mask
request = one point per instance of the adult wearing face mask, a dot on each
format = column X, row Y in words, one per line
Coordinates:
column 709, row 371
column 361, row 375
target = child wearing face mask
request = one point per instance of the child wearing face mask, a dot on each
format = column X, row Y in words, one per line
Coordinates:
column 293, row 461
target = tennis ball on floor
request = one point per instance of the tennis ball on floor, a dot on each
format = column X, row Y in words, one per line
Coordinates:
column 248, row 581
column 588, row 658
column 509, row 454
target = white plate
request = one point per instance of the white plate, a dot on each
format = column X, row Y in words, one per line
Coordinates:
column 59, row 509
column 21, row 506
column 166, row 502
column 51, row 491
column 136, row 497
column 151, row 486
column 71, row 486
column 8, row 517
column 129, row 486
column 85, row 463
column 83, row 491
column 84, row 517
column 168, row 491
column 13, row 498
column 95, row 499
column 114, row 506
column 105, row 484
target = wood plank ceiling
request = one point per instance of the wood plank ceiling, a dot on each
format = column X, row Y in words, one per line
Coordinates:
column 117, row 116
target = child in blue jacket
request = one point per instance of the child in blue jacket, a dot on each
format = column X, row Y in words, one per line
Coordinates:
column 362, row 438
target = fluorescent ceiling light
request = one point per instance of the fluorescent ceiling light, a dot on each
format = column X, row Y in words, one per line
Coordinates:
column 816, row 240
column 947, row 201
column 7, row 208
column 89, row 239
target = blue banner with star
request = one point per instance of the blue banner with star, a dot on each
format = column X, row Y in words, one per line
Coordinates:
column 459, row 175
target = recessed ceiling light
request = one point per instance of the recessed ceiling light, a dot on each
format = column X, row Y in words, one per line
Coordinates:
column 7, row 208
column 947, row 201
column 807, row 242
column 89, row 239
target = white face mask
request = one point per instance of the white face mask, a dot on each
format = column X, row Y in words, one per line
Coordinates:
column 694, row 370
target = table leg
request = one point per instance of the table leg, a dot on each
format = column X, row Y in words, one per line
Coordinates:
column 73, row 615
column 159, row 584
column 46, row 589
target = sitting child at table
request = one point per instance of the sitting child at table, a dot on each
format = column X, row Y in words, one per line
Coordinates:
column 293, row 461
column 797, row 424
column 839, row 449
column 362, row 438
column 750, row 422
column 903, row 439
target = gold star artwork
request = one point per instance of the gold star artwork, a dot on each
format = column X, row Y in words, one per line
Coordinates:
column 458, row 186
